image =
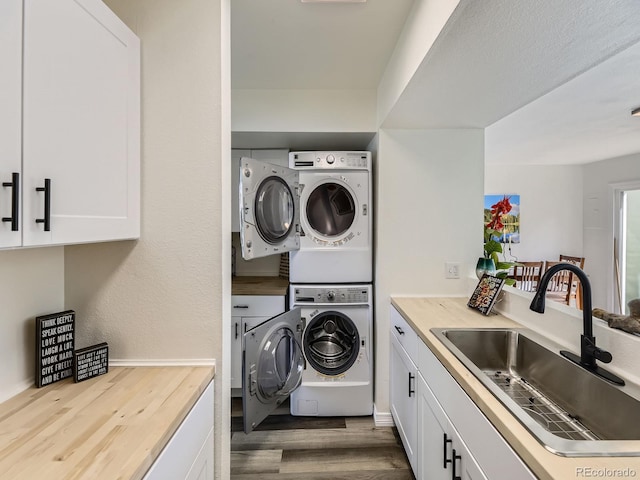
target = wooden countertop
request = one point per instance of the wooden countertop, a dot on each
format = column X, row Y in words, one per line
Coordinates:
column 426, row 313
column 259, row 286
column 109, row 427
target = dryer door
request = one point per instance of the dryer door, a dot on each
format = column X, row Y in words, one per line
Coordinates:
column 272, row 366
column 269, row 209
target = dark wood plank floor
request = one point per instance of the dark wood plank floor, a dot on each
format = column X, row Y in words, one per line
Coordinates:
column 284, row 447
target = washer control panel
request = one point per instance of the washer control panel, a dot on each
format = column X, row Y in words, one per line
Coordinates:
column 311, row 295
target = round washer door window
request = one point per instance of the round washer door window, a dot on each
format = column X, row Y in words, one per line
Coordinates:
column 274, row 210
column 331, row 209
column 280, row 365
column 331, row 343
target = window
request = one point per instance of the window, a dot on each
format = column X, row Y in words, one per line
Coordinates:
column 628, row 251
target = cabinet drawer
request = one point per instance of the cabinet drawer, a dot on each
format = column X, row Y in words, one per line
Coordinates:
column 257, row 305
column 405, row 335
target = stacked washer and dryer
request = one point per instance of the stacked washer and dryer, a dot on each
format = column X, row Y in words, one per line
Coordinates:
column 319, row 210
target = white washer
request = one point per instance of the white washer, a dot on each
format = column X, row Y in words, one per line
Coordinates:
column 335, row 218
column 337, row 345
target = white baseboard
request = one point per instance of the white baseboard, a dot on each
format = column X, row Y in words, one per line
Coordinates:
column 382, row 419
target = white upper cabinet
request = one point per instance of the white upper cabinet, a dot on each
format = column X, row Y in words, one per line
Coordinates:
column 80, row 122
column 10, row 120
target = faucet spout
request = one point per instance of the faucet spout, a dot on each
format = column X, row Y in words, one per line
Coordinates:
column 588, row 350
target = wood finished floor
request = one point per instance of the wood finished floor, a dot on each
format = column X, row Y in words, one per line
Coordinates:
column 284, row 447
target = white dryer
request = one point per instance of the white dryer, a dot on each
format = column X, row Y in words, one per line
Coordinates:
column 335, row 218
column 337, row 343
column 319, row 210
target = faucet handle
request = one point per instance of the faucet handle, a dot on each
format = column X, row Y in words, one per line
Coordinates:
column 589, row 346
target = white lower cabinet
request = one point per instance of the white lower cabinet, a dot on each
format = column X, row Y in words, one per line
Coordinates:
column 247, row 312
column 189, row 453
column 444, row 433
column 442, row 454
column 404, row 399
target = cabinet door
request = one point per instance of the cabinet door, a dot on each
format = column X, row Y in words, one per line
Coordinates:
column 441, row 452
column 10, row 120
column 236, row 352
column 403, row 398
column 202, row 468
column 434, row 443
column 81, row 123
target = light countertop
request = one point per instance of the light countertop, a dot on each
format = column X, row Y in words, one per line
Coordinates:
column 108, row 427
column 259, row 286
column 426, row 313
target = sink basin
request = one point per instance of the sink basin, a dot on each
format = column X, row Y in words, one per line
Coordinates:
column 570, row 411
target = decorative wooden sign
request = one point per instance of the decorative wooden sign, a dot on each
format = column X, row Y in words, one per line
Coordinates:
column 55, row 341
column 91, row 361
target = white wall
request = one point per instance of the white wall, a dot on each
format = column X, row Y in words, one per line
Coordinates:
column 31, row 284
column 424, row 23
column 303, row 110
column 429, row 191
column 550, row 207
column 161, row 298
column 600, row 179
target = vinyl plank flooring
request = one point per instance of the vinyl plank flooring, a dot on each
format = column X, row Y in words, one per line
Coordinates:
column 285, row 447
column 256, row 461
column 361, row 475
column 324, row 438
column 343, row 459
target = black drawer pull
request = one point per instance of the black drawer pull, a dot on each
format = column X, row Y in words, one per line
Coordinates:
column 47, row 205
column 453, row 472
column 236, row 330
column 400, row 331
column 446, row 460
column 15, row 200
column 411, row 377
column 241, row 306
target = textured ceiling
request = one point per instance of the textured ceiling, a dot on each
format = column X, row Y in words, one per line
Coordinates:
column 286, row 44
column 552, row 81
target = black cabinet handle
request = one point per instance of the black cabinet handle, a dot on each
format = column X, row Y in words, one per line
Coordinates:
column 453, row 472
column 444, row 455
column 236, row 330
column 241, row 306
column 400, row 331
column 15, row 200
column 47, row 205
column 411, row 377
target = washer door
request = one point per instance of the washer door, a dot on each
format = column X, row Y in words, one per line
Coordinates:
column 269, row 209
column 272, row 366
column 331, row 209
column 331, row 343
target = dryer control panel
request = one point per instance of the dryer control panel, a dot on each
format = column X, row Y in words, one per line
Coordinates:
column 329, row 295
column 330, row 160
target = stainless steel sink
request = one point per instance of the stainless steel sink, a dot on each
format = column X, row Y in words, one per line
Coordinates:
column 568, row 409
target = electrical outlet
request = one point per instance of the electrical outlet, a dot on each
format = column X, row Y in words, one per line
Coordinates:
column 451, row 270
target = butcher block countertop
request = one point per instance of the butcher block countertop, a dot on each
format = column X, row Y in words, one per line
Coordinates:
column 109, row 427
column 259, row 286
column 426, row 313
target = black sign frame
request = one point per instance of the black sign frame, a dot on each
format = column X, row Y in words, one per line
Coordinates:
column 55, row 346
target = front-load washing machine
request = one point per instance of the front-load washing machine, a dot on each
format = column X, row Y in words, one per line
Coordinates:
column 337, row 379
column 335, row 218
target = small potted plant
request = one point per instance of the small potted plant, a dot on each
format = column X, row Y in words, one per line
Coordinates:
column 491, row 263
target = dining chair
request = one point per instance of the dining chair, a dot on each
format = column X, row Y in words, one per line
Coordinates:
column 575, row 292
column 558, row 287
column 527, row 275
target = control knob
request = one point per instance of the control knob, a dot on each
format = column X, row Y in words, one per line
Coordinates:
column 330, row 159
column 331, row 295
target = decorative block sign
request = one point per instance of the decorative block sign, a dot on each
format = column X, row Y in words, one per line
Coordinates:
column 91, row 361
column 55, row 341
